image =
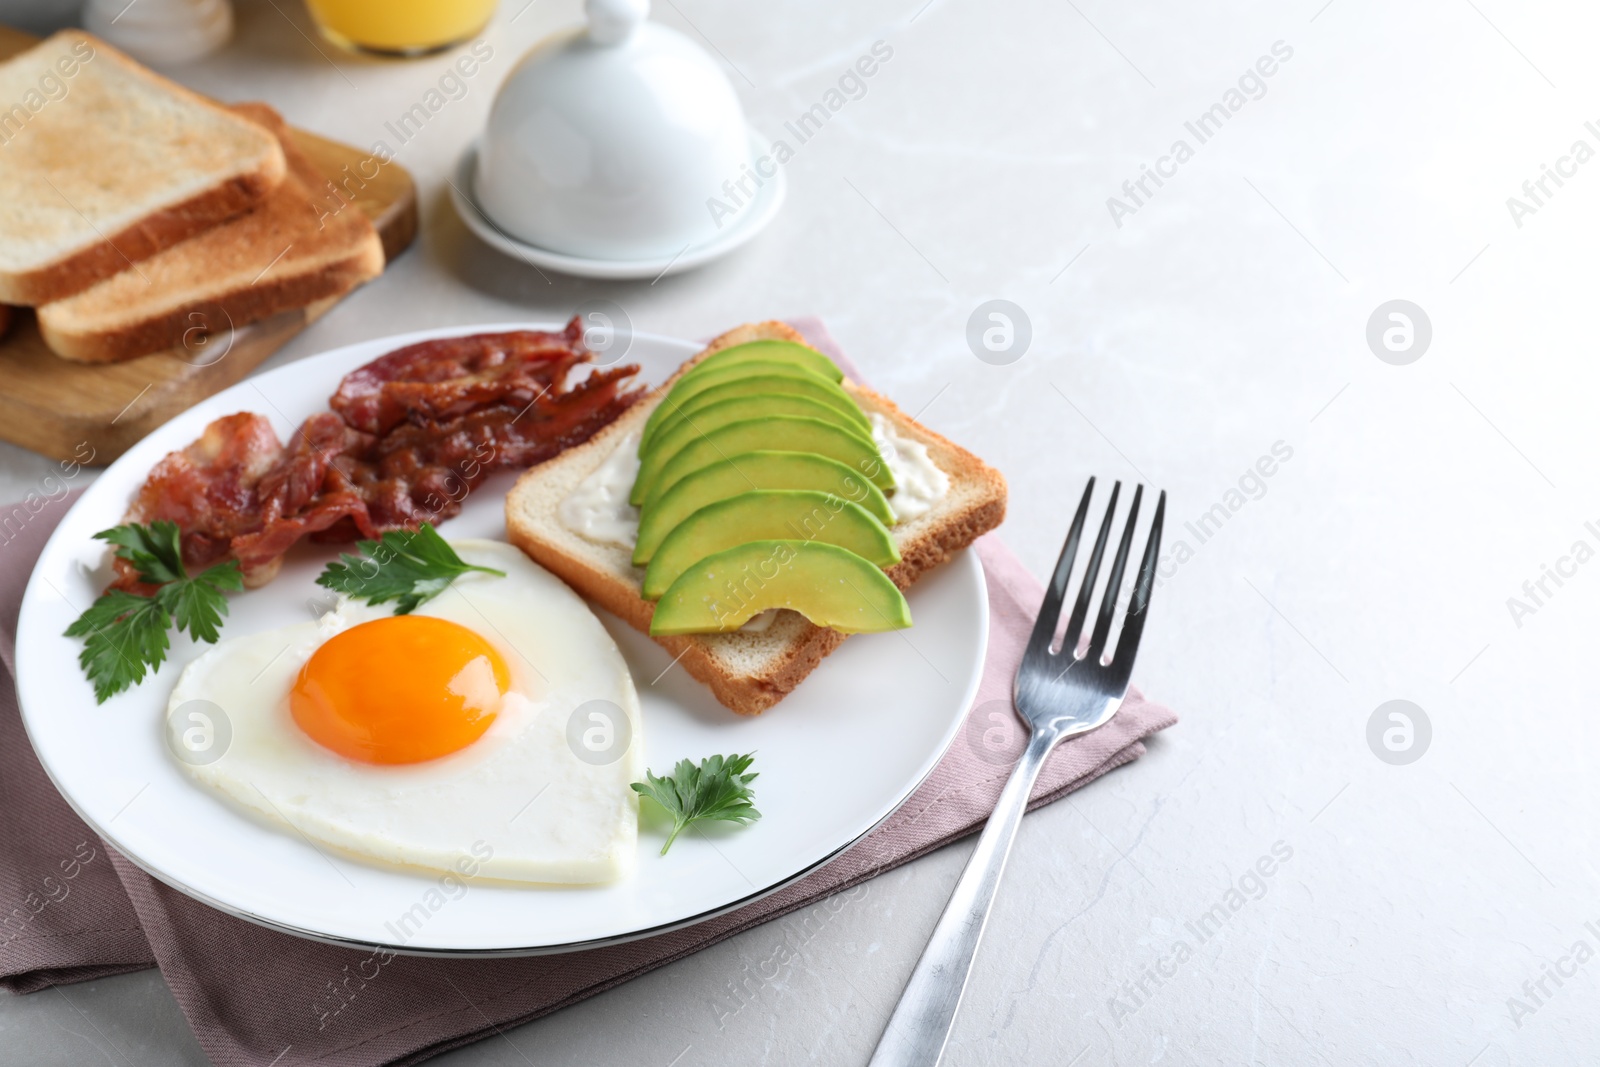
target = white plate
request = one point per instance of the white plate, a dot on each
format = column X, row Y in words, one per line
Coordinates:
column 751, row 220
column 836, row 757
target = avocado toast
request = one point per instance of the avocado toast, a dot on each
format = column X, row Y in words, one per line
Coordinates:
column 752, row 667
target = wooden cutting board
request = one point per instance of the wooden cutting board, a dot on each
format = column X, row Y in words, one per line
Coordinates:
column 69, row 410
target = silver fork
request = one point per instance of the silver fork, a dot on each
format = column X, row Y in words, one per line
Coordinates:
column 1059, row 695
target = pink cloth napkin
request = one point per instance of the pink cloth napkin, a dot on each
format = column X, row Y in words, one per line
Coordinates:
column 72, row 910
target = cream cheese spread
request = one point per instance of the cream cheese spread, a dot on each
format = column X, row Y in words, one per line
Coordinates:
column 919, row 483
column 597, row 509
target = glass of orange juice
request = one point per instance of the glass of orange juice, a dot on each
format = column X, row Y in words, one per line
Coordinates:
column 399, row 27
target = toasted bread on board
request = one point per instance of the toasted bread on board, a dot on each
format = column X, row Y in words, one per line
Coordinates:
column 104, row 163
column 303, row 243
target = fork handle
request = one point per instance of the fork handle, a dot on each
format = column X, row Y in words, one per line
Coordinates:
column 920, row 1025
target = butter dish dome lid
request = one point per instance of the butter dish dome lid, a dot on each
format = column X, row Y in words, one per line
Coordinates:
column 612, row 140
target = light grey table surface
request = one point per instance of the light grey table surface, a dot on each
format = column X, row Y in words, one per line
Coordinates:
column 1423, row 906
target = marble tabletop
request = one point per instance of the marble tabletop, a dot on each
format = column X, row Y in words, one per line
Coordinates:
column 1316, row 268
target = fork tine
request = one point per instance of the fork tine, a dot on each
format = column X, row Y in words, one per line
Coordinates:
column 1050, row 612
column 1080, row 609
column 1133, row 625
column 1108, row 603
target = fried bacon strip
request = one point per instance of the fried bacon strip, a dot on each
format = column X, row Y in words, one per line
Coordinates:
column 435, row 381
column 446, row 414
column 209, row 489
column 410, row 435
column 302, row 494
column 422, row 470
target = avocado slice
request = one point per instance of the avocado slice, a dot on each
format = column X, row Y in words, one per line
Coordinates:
column 696, row 424
column 753, row 470
column 829, row 585
column 773, row 351
column 809, row 386
column 790, row 433
column 697, row 381
column 765, row 514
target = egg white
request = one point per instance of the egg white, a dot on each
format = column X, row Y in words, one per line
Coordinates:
column 519, row 793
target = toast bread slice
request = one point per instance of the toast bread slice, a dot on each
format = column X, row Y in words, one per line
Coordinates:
column 748, row 672
column 104, row 163
column 303, row 243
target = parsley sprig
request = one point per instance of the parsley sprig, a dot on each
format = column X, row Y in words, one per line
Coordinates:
column 408, row 568
column 717, row 789
column 125, row 634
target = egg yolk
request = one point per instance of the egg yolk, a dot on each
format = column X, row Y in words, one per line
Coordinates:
column 400, row 690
